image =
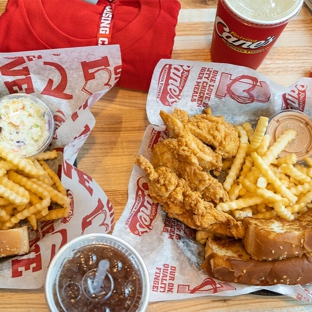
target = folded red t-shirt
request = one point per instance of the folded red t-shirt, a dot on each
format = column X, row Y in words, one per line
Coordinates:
column 144, row 29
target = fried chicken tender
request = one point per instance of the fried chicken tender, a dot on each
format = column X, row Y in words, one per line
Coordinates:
column 185, row 164
column 207, row 158
column 211, row 130
column 181, row 202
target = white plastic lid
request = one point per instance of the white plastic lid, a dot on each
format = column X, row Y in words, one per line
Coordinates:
column 265, row 11
column 81, row 281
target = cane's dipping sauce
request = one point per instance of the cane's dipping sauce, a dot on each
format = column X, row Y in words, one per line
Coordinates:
column 299, row 121
column 120, row 290
column 26, row 124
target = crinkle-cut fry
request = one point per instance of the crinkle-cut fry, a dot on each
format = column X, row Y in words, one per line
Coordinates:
column 28, row 184
column 246, row 166
column 4, row 216
column 279, row 145
column 290, row 170
column 253, row 174
column 239, row 203
column 33, row 221
column 268, row 196
column 34, row 198
column 12, row 196
column 56, row 214
column 236, row 167
column 306, row 170
column 241, row 214
column 32, row 210
column 308, row 160
column 7, row 165
column 265, row 215
column 300, row 188
column 234, row 191
column 9, row 208
column 259, row 133
column 288, row 159
column 22, row 164
column 55, row 178
column 55, row 195
column 264, row 145
column 306, row 198
column 296, row 208
column 249, row 130
column 4, row 201
column 282, row 212
column 42, row 213
column 44, row 178
column 243, row 137
column 267, row 172
column 16, row 188
column 46, row 155
column 262, row 182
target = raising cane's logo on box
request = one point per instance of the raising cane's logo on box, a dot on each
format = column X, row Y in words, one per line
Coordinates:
column 296, row 98
column 143, row 211
column 171, row 82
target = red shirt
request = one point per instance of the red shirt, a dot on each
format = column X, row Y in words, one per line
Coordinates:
column 144, row 29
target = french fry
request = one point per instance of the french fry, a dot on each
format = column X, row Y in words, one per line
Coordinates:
column 60, row 187
column 259, row 133
column 249, row 130
column 267, row 172
column 264, row 145
column 239, row 203
column 46, row 155
column 21, row 163
column 236, row 167
column 290, row 170
column 279, row 145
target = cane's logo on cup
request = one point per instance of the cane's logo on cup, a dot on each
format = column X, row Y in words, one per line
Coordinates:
column 239, row 43
column 296, row 98
column 171, row 82
column 143, row 211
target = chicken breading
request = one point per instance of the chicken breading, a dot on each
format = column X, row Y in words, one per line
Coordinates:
column 184, row 204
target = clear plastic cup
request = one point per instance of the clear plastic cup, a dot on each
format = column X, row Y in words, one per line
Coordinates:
column 26, row 124
column 77, row 280
column 245, row 30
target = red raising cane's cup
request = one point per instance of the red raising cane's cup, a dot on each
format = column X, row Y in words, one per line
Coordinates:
column 245, row 30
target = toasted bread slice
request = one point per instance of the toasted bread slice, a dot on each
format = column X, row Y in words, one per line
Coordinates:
column 227, row 260
column 277, row 239
column 14, row 241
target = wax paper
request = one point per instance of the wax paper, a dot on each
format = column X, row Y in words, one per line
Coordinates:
column 69, row 81
column 168, row 247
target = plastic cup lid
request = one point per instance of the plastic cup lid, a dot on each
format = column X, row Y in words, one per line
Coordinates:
column 82, row 287
column 265, row 11
column 292, row 119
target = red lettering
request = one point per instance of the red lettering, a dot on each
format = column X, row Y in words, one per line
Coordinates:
column 34, row 264
column 88, row 219
column 59, row 89
column 85, row 181
column 63, row 241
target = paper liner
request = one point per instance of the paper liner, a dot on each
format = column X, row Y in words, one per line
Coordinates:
column 69, row 81
column 239, row 94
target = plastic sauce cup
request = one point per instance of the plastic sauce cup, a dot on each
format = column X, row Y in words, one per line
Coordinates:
column 97, row 272
column 26, row 124
column 299, row 121
column 245, row 30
